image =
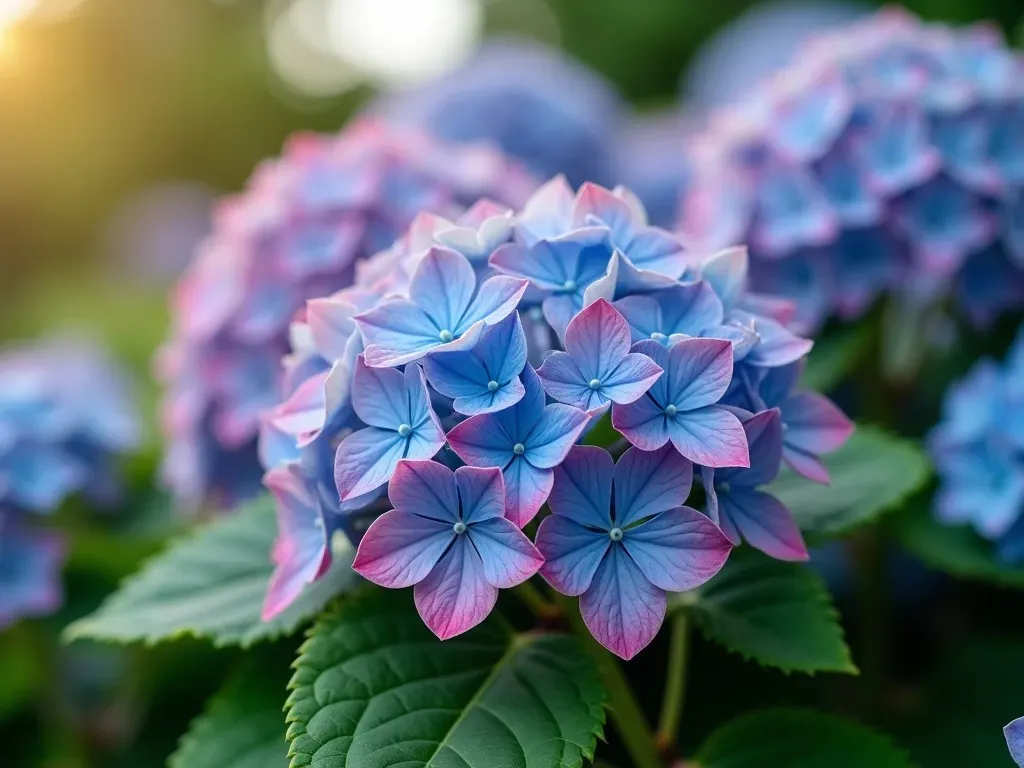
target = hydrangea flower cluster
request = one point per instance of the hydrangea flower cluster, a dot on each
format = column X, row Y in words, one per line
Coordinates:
column 66, row 414
column 450, row 388
column 889, row 157
column 299, row 230
column 553, row 113
column 978, row 451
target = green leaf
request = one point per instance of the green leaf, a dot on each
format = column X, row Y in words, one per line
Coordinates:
column 242, row 726
column 798, row 738
column 211, row 586
column 955, row 549
column 871, row 474
column 778, row 614
column 833, row 357
column 373, row 686
column 972, row 693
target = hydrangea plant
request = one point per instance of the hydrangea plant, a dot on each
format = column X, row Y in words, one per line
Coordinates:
column 497, row 365
column 978, row 451
column 887, row 158
column 66, row 415
column 301, row 229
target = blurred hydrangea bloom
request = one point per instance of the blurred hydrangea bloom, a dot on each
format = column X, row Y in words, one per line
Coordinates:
column 978, row 450
column 549, row 111
column 651, row 160
column 888, row 157
column 299, row 230
column 66, row 414
column 758, row 41
column 493, row 352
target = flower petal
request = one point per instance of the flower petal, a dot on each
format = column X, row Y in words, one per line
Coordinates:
column 571, row 553
column 563, row 380
column 443, row 286
column 507, row 555
column 583, row 487
column 622, row 609
column 649, row 482
column 481, row 493
column 726, row 272
column 764, row 443
column 678, row 550
column 642, row 422
column 396, row 332
column 814, row 424
column 1014, row 734
column 519, row 419
column 553, row 434
column 482, row 441
column 764, row 522
column 365, row 460
column 400, row 549
column 490, row 402
column 498, row 298
column 425, row 488
column 502, row 349
column 711, row 437
column 380, row 396
column 699, row 372
column 538, row 264
column 455, row 596
column 300, row 553
column 630, row 379
column 597, row 339
column 526, row 490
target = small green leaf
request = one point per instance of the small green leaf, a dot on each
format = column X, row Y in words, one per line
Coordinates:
column 242, row 726
column 798, row 738
column 871, row 474
column 211, row 586
column 778, row 614
column 834, row 357
column 955, row 549
column 373, row 686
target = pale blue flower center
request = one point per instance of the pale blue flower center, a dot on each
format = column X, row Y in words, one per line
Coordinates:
column 595, row 384
column 492, row 386
column 722, row 487
column 569, row 285
column 615, row 534
column 657, row 336
column 459, row 528
column 518, row 449
column 445, row 336
column 404, row 430
column 671, row 410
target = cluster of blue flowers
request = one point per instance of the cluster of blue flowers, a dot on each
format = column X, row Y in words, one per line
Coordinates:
column 978, row 451
column 298, row 231
column 450, row 386
column 888, row 158
column 66, row 414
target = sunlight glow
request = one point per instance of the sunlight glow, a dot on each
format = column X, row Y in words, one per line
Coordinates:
column 398, row 42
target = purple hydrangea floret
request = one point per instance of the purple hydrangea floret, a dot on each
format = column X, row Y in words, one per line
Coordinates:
column 421, row 376
column 300, row 230
column 67, row 414
column 888, row 158
column 622, row 553
column 448, row 536
column 978, row 451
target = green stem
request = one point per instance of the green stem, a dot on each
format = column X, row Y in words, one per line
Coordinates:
column 533, row 599
column 675, row 685
column 629, row 719
column 869, row 552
